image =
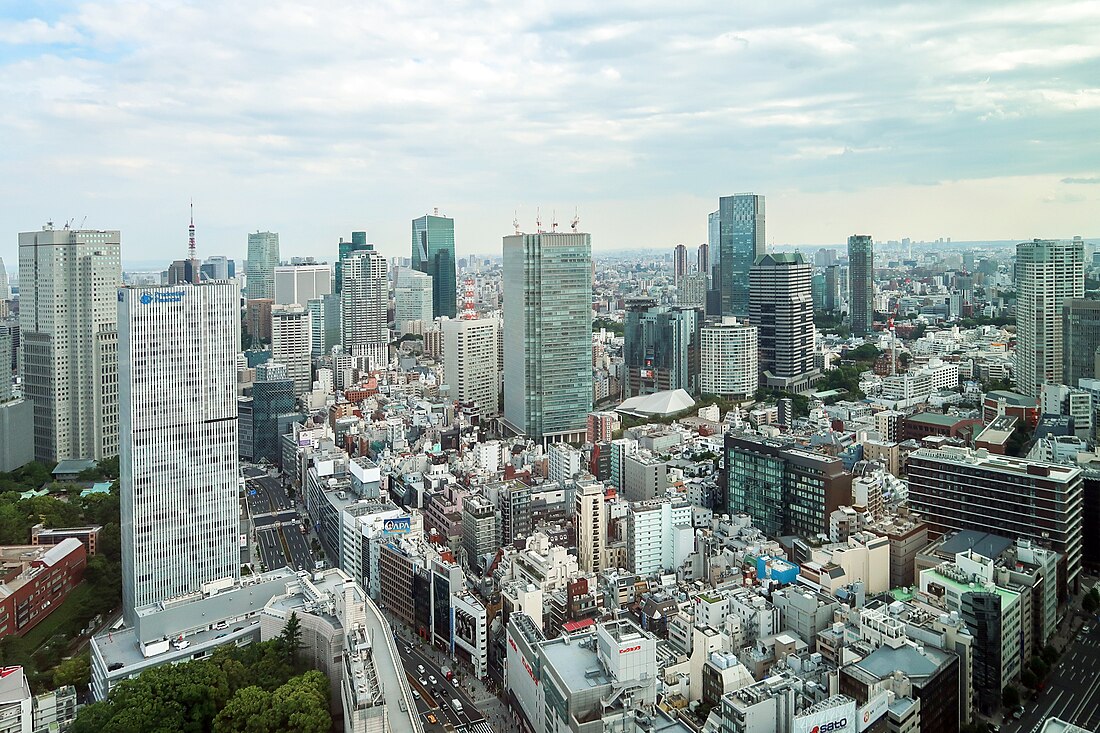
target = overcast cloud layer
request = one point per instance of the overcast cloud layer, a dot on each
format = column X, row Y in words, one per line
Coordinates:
column 977, row 120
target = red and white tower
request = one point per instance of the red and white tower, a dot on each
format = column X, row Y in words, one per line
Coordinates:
column 191, row 248
column 469, row 313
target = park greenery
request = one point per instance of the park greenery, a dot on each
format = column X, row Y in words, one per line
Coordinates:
column 610, row 326
column 49, row 652
column 259, row 688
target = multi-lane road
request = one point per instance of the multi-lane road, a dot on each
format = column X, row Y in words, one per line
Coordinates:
column 276, row 522
column 1072, row 691
column 437, row 699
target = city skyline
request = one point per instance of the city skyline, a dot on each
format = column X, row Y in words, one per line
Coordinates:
column 815, row 108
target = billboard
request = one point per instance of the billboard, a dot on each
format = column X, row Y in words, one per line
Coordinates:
column 840, row 718
column 397, row 525
column 872, row 711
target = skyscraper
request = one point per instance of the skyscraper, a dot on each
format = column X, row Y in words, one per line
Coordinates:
column 178, row 461
column 470, row 362
column 273, row 396
column 301, row 283
column 1080, row 340
column 364, row 302
column 324, row 323
column 69, row 340
column 291, row 344
column 861, row 283
column 218, row 267
column 660, row 347
column 729, row 359
column 433, row 252
column 740, row 243
column 263, row 258
column 412, row 298
column 679, row 263
column 1048, row 272
column 357, row 244
column 548, row 334
column 782, row 310
column 702, row 260
column 5, row 288
column 832, row 289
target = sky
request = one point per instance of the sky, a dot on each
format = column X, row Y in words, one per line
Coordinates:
column 976, row 120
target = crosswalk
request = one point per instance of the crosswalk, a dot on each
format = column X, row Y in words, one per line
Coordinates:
column 479, row 727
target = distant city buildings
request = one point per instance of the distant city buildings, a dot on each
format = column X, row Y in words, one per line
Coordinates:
column 412, row 299
column 660, row 348
column 299, row 284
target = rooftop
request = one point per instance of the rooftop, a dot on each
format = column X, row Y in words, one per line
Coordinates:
column 1013, row 399
column 917, row 662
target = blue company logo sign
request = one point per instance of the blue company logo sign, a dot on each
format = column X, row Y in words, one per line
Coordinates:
column 397, row 525
column 161, row 296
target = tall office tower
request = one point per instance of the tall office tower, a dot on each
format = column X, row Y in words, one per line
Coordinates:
column 832, row 289
column 273, row 398
column 5, row 287
column 1048, row 272
column 729, row 359
column 1080, row 340
column 548, row 334
column 702, row 261
column 69, row 339
column 433, row 252
column 817, row 290
column 301, row 283
column 364, row 304
column 782, row 310
column 16, row 442
column 358, row 243
column 412, row 298
column 740, row 244
column 861, row 283
column 470, row 362
column 178, row 461
column 660, row 348
column 825, row 257
column 679, row 263
column 263, row 258
column 591, row 517
column 291, row 344
column 324, row 323
column 714, row 258
column 692, row 291
column 218, row 267
column 957, row 488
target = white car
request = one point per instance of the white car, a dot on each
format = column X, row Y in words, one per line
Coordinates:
column 420, row 668
column 431, row 679
column 422, row 682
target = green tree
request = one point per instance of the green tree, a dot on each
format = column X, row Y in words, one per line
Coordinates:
column 301, row 705
column 291, row 638
column 1088, row 603
column 866, row 353
column 76, row 671
column 1029, row 679
column 250, row 710
column 612, row 326
column 1010, row 696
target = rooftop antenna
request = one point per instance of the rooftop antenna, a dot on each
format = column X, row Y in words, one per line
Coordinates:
column 515, row 220
column 83, row 220
column 576, row 221
column 538, row 219
column 554, row 221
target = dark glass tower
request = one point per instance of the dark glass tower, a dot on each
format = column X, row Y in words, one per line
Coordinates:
column 740, row 243
column 358, row 242
column 433, row 252
column 861, row 283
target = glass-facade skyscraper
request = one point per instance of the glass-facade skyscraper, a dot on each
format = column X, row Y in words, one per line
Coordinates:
column 548, row 335
column 263, row 258
column 358, row 243
column 661, row 347
column 1080, row 340
column 740, row 243
column 861, row 283
column 433, row 252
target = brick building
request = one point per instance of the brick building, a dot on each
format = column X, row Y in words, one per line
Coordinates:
column 36, row 581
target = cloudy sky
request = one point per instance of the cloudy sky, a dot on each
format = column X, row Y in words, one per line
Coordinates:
column 976, row 120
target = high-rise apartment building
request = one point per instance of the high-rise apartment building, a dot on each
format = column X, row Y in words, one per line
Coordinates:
column 832, row 298
column 69, row 340
column 291, row 344
column 364, row 301
column 1080, row 340
column 740, row 244
column 412, row 298
column 178, row 461
column 702, row 261
column 263, row 258
column 324, row 323
column 591, row 518
column 861, row 283
column 679, row 263
column 659, row 535
column 358, row 243
column 729, row 359
column 299, row 284
column 433, row 252
column 470, row 362
column 957, row 488
column 660, row 347
column 781, row 308
column 548, row 334
column 1048, row 272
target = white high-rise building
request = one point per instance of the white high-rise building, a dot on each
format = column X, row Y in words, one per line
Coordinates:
column 218, row 266
column 728, row 359
column 591, row 514
column 291, row 344
column 364, row 300
column 5, row 287
column 302, row 283
column 69, row 340
column 1048, row 272
column 178, row 463
column 659, row 535
column 470, row 362
column 412, row 298
column 263, row 258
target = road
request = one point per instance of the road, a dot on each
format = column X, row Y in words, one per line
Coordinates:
column 276, row 522
column 438, row 699
column 1072, row 692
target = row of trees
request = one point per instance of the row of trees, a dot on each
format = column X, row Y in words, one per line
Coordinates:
column 260, row 688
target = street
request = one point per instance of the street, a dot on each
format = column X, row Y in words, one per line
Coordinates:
column 276, row 523
column 439, row 698
column 1072, row 692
